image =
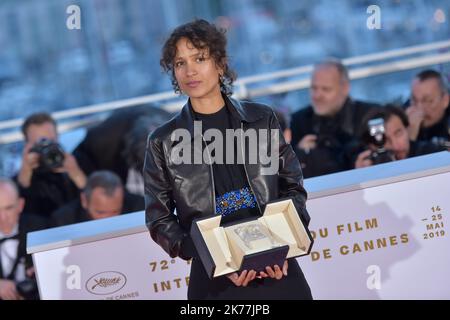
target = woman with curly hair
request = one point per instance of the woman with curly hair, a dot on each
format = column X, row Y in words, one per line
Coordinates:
column 195, row 57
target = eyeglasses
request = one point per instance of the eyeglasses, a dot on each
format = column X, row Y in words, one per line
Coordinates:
column 427, row 102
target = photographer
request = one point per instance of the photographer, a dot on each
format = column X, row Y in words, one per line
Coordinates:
column 48, row 177
column 322, row 131
column 385, row 138
column 16, row 271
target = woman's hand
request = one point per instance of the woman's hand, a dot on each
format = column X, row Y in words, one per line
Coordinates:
column 275, row 272
column 243, row 279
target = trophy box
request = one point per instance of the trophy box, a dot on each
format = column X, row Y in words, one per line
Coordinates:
column 251, row 244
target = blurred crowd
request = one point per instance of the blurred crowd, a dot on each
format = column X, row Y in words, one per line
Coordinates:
column 336, row 133
column 102, row 177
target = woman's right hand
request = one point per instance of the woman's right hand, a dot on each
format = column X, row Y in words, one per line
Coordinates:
column 242, row 279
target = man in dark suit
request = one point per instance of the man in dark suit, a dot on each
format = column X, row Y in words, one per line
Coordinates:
column 323, row 131
column 103, row 197
column 16, row 269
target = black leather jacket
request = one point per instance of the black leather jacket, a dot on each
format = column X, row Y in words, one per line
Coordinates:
column 189, row 188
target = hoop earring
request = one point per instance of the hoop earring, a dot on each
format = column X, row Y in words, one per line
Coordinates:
column 177, row 88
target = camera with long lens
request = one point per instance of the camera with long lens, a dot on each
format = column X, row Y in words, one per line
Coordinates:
column 378, row 139
column 51, row 154
column 28, row 289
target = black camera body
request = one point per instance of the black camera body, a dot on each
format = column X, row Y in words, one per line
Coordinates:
column 51, row 154
column 378, row 139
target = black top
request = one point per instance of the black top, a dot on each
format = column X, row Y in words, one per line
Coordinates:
column 227, row 177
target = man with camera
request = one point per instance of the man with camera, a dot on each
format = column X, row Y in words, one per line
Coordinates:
column 385, row 137
column 48, row 177
column 429, row 112
column 16, row 272
column 322, row 131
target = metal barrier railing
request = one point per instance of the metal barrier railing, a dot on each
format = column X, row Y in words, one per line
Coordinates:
column 242, row 86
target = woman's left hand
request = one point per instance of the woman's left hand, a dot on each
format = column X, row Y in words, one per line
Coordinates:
column 275, row 271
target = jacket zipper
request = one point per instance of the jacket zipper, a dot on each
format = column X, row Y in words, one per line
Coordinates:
column 212, row 176
column 245, row 168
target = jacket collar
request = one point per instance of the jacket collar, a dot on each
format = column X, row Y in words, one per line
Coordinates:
column 240, row 111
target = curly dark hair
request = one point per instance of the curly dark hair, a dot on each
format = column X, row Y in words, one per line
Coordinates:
column 203, row 35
